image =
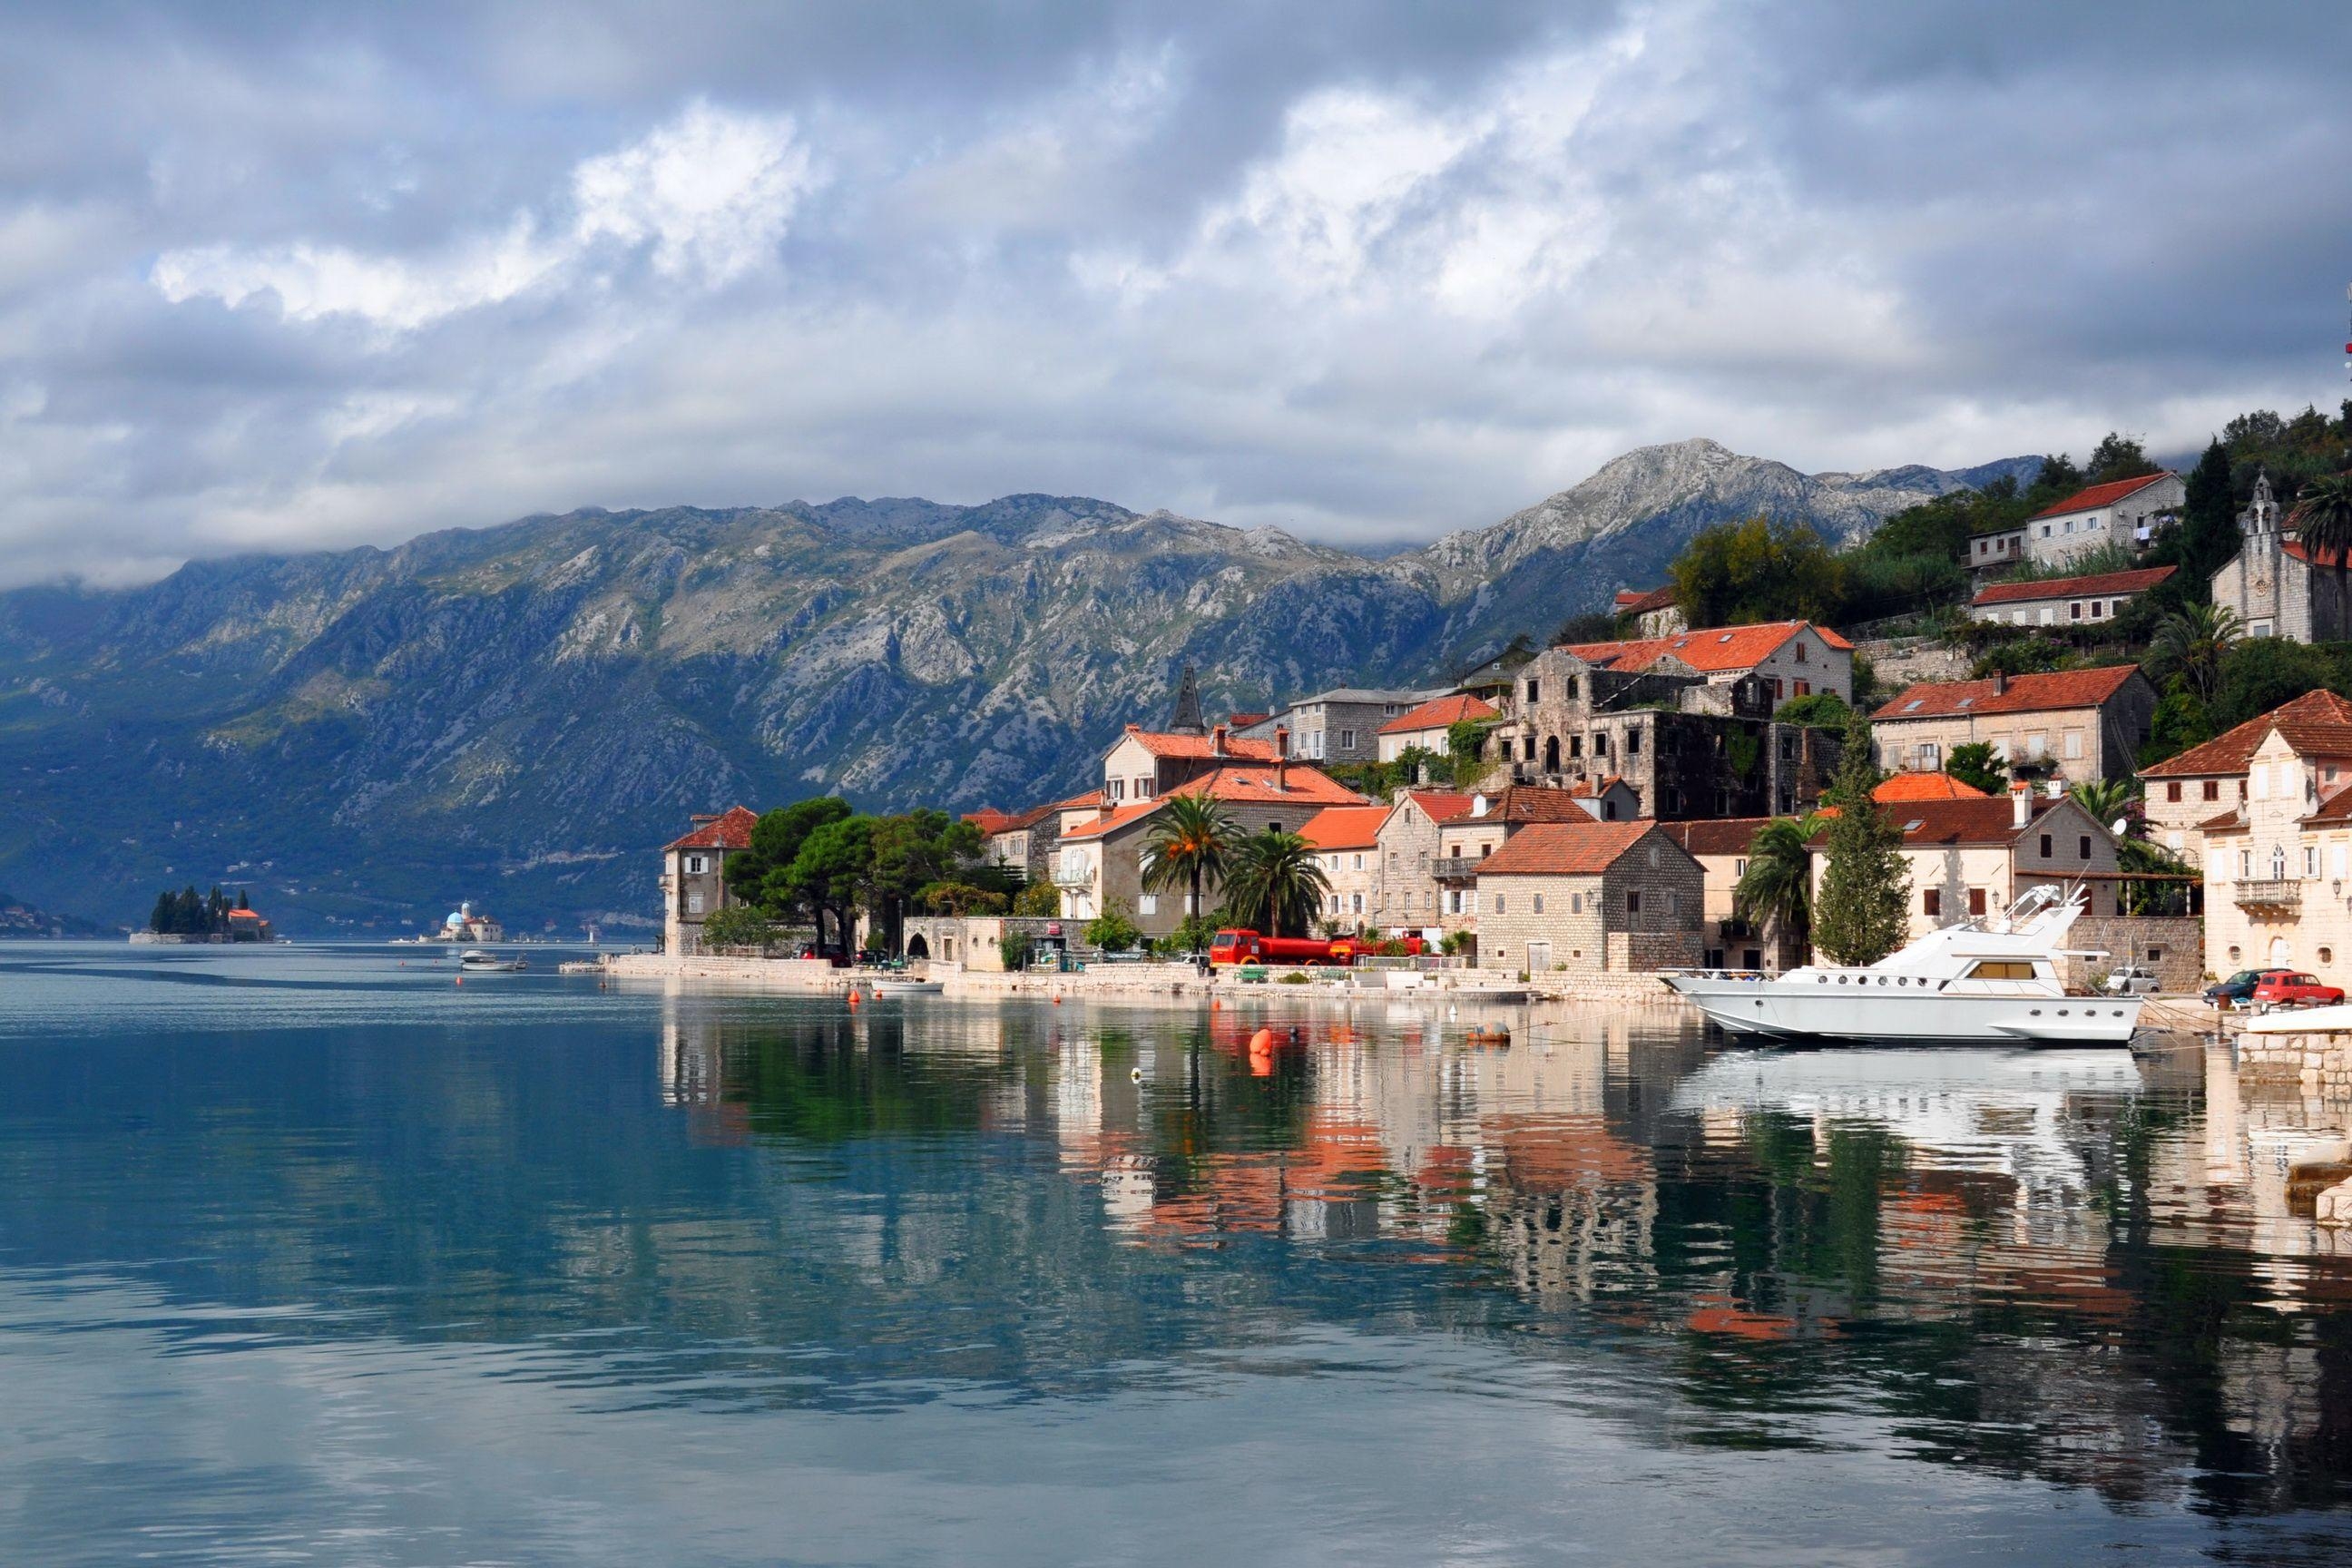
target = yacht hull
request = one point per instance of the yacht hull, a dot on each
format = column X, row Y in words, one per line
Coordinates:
column 1777, row 1010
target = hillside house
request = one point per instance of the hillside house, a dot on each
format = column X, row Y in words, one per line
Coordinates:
column 1341, row 725
column 2072, row 725
column 694, row 875
column 1021, row 841
column 1683, row 745
column 1144, row 764
column 1430, row 725
column 1406, row 900
column 1591, row 898
column 2275, row 582
column 1652, row 610
column 2210, row 782
column 1792, row 658
column 1995, row 550
column 2278, row 864
column 2124, row 512
column 1347, row 839
column 2067, row 602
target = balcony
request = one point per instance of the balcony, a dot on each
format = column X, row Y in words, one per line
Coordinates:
column 2270, row 894
column 1073, row 874
column 1453, row 868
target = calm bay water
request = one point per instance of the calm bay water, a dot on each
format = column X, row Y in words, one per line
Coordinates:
column 307, row 1257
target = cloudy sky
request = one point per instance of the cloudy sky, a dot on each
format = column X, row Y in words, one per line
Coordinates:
column 277, row 275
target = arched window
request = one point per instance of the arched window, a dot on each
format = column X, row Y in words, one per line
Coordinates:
column 1551, row 754
column 2278, row 862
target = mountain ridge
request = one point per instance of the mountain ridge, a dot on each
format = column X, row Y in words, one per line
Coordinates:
column 518, row 713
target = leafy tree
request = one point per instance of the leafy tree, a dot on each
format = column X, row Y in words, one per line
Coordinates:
column 2118, row 457
column 1038, row 899
column 2323, row 515
column 1466, row 745
column 1194, row 933
column 1859, row 917
column 2058, row 480
column 1014, row 949
column 910, row 851
column 1112, row 930
column 832, row 873
column 1738, row 573
column 2261, row 673
column 1192, row 840
column 776, row 841
column 2193, row 643
column 957, row 898
column 2180, row 723
column 2109, row 799
column 2019, row 656
column 1276, row 884
column 1816, row 711
column 2208, row 534
column 1593, row 625
column 1976, row 764
column 1777, row 892
column 737, row 926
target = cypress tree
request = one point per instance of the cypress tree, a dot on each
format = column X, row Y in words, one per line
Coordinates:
column 160, row 920
column 2209, row 521
column 1859, row 917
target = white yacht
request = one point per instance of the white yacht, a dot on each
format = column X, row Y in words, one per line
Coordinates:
column 474, row 958
column 1984, row 981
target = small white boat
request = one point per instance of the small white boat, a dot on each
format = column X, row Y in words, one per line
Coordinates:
column 908, row 987
column 1981, row 981
column 475, row 959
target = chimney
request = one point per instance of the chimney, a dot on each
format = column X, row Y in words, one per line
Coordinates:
column 1217, row 741
column 2000, row 682
column 2057, row 788
column 1282, row 756
column 2021, row 804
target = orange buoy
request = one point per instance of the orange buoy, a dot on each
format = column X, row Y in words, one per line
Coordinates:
column 1057, row 1001
column 853, row 998
column 461, row 980
column 1262, row 1041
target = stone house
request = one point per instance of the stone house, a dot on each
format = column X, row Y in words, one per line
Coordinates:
column 2275, row 583
column 1429, row 725
column 1341, row 725
column 1144, row 764
column 1685, row 745
column 2074, row 724
column 2209, row 782
column 2123, row 511
column 1100, row 861
column 1591, row 897
column 1726, row 940
column 1406, row 898
column 2277, row 860
column 2065, row 602
column 694, row 874
column 1973, row 857
column 1346, row 838
column 1022, row 841
column 1792, row 658
column 1652, row 610
column 1995, row 550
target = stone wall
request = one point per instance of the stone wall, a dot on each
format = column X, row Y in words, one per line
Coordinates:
column 1638, row 950
column 2320, row 1065
column 2179, row 939
column 1906, row 661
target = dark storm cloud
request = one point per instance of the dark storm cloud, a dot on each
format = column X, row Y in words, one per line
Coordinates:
column 314, row 274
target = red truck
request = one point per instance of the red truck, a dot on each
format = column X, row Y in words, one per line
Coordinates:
column 1249, row 947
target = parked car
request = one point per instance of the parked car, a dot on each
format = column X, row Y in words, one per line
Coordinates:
column 2239, row 989
column 2131, row 980
column 2288, row 988
column 829, row 952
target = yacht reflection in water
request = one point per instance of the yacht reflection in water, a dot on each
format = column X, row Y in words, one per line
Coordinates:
column 2075, row 1264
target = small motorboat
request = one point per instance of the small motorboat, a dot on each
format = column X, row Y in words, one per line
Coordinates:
column 1983, row 982
column 475, row 960
column 908, row 987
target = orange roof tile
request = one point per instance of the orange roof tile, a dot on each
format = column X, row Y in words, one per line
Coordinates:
column 1713, row 650
column 1641, row 602
column 1523, row 803
column 1345, row 826
column 2231, row 750
column 2102, row 583
column 2051, row 691
column 1925, row 786
column 1204, row 747
column 2097, row 496
column 1438, row 712
column 1989, row 819
column 1439, row 805
column 1716, row 836
column 1582, row 848
column 729, row 830
column 1102, row 826
column 2336, row 809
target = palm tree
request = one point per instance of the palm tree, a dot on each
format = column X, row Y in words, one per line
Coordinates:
column 1192, row 841
column 2106, row 799
column 2323, row 516
column 1277, row 885
column 2193, row 639
column 1777, row 892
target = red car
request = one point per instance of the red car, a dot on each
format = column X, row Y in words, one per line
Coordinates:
column 2289, row 988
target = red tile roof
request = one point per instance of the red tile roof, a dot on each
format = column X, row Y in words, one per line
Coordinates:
column 1925, row 786
column 2335, row 809
column 1582, row 849
column 729, row 830
column 1439, row 805
column 1345, row 826
column 1102, row 826
column 1243, row 720
column 1520, row 803
column 1247, row 784
column 1986, row 820
column 2314, row 715
column 2302, row 552
column 2097, row 496
column 2099, row 584
column 1590, row 789
column 1716, row 836
column 1160, row 744
column 992, row 822
column 2047, row 692
column 1641, row 602
column 1713, row 650
column 1438, row 712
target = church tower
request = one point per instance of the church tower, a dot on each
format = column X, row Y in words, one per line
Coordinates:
column 1185, row 720
column 2255, row 585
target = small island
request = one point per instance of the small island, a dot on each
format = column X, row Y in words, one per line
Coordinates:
column 189, row 916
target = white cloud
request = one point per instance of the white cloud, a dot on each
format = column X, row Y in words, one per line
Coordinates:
column 711, row 193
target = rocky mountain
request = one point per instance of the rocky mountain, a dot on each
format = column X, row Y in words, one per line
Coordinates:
column 517, row 714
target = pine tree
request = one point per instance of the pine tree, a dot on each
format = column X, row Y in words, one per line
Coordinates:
column 160, row 920
column 1859, row 916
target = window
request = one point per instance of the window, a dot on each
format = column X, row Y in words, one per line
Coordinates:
column 694, row 903
column 2083, row 848
column 1739, row 867
column 1576, row 903
column 2212, row 790
column 2046, row 847
column 1800, row 650
column 1347, row 739
column 2259, row 781
column 2002, row 969
column 1499, row 903
column 1804, row 689
column 1632, row 743
column 1149, row 903
column 2172, row 793
column 1674, row 902
column 1355, row 903
column 1116, row 789
column 1599, row 745
column 1538, row 897
column 2074, row 610
column 1653, row 856
column 1359, row 861
column 696, row 865
column 1531, row 691
column 1143, row 789
column 2098, row 610
column 2335, row 861
column 1976, row 900
column 2245, row 865
column 1931, row 902
column 2074, row 743
column 2278, row 862
column 1633, row 901
column 2311, row 860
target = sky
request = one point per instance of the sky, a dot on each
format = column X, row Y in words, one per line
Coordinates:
column 281, row 277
